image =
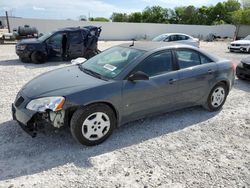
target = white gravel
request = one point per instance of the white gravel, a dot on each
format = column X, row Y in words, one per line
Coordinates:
column 185, row 148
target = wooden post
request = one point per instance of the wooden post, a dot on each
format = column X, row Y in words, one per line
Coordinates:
column 7, row 18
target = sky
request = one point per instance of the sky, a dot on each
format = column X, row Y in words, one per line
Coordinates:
column 72, row 9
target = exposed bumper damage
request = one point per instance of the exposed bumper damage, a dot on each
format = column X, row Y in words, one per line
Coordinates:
column 243, row 73
column 31, row 121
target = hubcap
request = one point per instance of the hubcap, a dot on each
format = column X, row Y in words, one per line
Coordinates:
column 218, row 97
column 95, row 126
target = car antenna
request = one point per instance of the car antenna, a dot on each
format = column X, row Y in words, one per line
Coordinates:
column 133, row 43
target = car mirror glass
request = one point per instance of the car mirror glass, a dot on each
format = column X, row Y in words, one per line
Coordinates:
column 138, row 76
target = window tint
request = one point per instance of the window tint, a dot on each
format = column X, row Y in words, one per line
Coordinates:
column 182, row 37
column 205, row 60
column 56, row 39
column 172, row 38
column 156, row 64
column 75, row 37
column 113, row 61
column 187, row 58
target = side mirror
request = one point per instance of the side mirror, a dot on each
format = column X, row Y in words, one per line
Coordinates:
column 78, row 60
column 138, row 76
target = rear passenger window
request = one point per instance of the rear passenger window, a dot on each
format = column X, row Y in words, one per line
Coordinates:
column 182, row 37
column 156, row 64
column 187, row 58
column 75, row 37
column 205, row 60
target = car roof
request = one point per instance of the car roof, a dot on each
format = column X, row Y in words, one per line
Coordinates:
column 72, row 29
column 155, row 46
column 176, row 34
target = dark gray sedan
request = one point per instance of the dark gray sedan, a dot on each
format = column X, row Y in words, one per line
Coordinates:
column 122, row 84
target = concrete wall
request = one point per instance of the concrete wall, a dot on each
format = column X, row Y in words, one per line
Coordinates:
column 127, row 31
column 243, row 31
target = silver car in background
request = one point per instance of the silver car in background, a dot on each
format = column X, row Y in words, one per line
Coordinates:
column 240, row 45
column 178, row 37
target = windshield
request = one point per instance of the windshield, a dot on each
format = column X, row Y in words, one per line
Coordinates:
column 112, row 61
column 247, row 38
column 160, row 38
column 45, row 36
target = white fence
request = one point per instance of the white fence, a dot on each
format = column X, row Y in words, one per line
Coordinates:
column 127, row 31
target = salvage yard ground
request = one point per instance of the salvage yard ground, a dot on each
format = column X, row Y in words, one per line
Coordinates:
column 185, row 148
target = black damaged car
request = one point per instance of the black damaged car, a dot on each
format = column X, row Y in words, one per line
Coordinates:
column 243, row 69
column 65, row 44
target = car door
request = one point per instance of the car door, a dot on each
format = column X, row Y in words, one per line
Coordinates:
column 144, row 97
column 196, row 73
column 75, row 44
column 54, row 45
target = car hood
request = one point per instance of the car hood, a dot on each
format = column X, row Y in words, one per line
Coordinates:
column 60, row 82
column 241, row 42
column 246, row 60
column 29, row 41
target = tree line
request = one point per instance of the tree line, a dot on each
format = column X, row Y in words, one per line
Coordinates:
column 227, row 12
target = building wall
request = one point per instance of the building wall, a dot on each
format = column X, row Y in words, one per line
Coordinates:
column 127, row 31
column 243, row 31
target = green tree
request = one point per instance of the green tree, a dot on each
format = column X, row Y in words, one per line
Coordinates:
column 241, row 17
column 232, row 5
column 119, row 17
column 135, row 17
column 99, row 19
column 155, row 14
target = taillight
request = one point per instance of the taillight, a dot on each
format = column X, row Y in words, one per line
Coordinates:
column 234, row 65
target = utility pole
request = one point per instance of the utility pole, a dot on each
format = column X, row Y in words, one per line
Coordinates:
column 7, row 18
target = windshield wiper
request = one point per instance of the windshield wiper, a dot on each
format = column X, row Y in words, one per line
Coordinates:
column 92, row 73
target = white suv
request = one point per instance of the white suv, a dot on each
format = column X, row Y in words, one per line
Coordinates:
column 240, row 45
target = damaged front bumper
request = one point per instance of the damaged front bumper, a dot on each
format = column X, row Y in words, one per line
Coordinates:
column 32, row 122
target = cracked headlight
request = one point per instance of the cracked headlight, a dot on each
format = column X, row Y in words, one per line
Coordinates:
column 46, row 103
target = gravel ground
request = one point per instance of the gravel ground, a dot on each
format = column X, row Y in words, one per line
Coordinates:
column 185, row 148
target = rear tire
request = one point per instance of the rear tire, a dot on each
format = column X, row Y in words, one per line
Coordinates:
column 38, row 57
column 93, row 124
column 216, row 97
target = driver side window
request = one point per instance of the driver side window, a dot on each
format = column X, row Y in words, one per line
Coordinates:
column 156, row 64
column 56, row 39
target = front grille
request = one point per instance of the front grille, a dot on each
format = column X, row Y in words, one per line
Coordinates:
column 19, row 101
column 235, row 44
column 246, row 66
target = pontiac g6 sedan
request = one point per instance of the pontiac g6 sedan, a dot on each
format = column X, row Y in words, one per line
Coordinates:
column 122, row 84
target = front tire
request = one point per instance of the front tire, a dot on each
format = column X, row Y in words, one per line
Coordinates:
column 25, row 60
column 217, row 97
column 93, row 124
column 38, row 57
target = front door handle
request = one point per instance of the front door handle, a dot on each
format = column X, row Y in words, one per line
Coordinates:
column 172, row 81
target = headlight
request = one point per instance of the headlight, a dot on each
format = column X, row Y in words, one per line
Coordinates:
column 46, row 103
column 21, row 47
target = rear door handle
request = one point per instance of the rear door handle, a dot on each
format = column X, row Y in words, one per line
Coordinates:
column 210, row 71
column 172, row 81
